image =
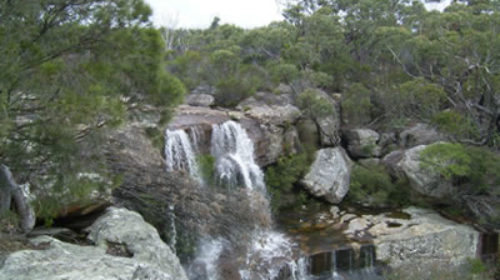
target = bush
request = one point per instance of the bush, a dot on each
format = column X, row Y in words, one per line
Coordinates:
column 474, row 168
column 206, row 164
column 372, row 186
column 356, row 105
column 448, row 159
column 281, row 178
column 314, row 105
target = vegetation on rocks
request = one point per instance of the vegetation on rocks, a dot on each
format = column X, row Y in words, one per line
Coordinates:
column 71, row 71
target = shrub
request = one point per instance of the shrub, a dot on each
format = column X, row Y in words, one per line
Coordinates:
column 281, row 178
column 206, row 165
column 448, row 159
column 372, row 186
column 232, row 90
column 314, row 105
column 474, row 168
column 356, row 105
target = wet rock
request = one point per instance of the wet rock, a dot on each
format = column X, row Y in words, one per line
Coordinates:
column 362, row 143
column 420, row 134
column 329, row 175
column 335, row 211
column 203, row 100
column 151, row 258
column 270, row 127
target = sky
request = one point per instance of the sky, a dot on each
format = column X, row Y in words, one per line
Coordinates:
column 200, row 13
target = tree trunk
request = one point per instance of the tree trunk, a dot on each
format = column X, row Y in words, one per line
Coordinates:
column 9, row 190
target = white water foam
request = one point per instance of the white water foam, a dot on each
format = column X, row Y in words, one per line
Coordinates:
column 234, row 153
column 179, row 153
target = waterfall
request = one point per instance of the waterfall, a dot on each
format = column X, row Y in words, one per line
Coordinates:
column 269, row 252
column 233, row 150
column 204, row 266
column 195, row 135
column 179, row 153
column 262, row 252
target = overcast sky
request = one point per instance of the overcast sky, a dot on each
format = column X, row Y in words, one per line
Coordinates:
column 199, row 13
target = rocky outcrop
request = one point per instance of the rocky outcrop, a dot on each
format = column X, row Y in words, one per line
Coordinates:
column 126, row 248
column 329, row 126
column 203, row 100
column 176, row 205
column 423, row 239
column 419, row 134
column 328, row 177
column 269, row 126
column 362, row 143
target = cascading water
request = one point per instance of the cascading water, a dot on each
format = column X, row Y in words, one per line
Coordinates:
column 258, row 252
column 233, row 150
column 179, row 153
column 204, row 266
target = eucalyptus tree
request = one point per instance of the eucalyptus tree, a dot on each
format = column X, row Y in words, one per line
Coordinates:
column 67, row 68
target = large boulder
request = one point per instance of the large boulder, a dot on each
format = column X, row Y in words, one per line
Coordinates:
column 329, row 175
column 126, row 248
column 421, row 240
column 424, row 180
column 420, row 134
column 362, row 143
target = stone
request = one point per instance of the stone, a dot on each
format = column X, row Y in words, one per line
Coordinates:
column 420, row 134
column 149, row 257
column 423, row 180
column 204, row 89
column 270, row 127
column 329, row 126
column 346, row 217
column 203, row 100
column 362, row 143
column 335, row 212
column 425, row 239
column 329, row 175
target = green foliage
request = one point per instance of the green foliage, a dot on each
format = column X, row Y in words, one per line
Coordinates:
column 314, row 105
column 372, row 186
column 231, row 90
column 448, row 159
column 477, row 266
column 356, row 105
column 284, row 73
column 206, row 164
column 475, row 168
column 281, row 178
column 454, row 123
column 69, row 72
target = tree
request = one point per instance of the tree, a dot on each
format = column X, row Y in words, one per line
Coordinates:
column 66, row 68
